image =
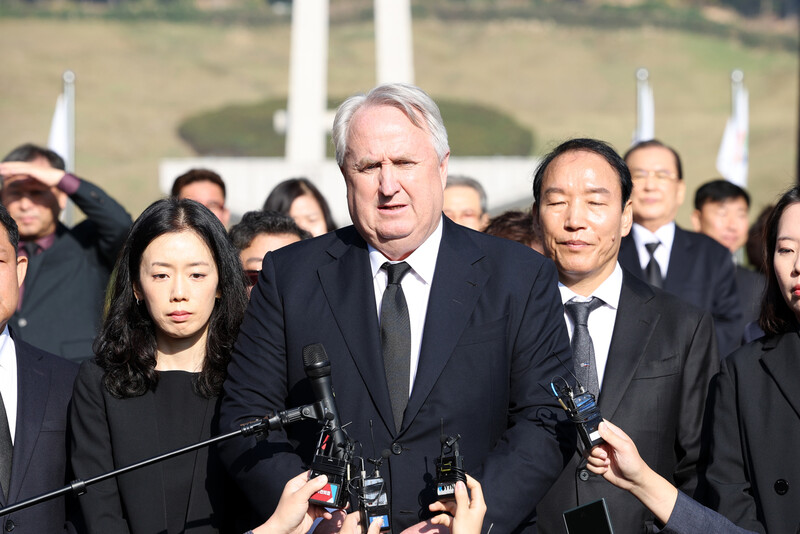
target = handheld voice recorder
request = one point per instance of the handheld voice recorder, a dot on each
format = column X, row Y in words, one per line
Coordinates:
column 449, row 468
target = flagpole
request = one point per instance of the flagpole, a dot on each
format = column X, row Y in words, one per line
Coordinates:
column 69, row 95
column 642, row 76
column 737, row 80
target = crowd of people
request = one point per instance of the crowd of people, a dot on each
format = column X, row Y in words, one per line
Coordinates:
column 123, row 339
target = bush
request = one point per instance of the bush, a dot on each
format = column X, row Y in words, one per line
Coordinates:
column 246, row 130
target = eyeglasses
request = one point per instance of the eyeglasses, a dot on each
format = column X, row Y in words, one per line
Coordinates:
column 641, row 174
column 252, row 276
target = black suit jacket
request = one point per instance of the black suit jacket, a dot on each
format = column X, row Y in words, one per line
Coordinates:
column 107, row 433
column 701, row 273
column 752, row 476
column 493, row 335
column 65, row 285
column 662, row 356
column 751, row 286
column 39, row 462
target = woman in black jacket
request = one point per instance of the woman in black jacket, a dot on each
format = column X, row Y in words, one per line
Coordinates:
column 752, row 475
column 174, row 308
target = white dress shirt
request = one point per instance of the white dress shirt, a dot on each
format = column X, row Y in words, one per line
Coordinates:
column 601, row 321
column 416, row 286
column 665, row 235
column 8, row 379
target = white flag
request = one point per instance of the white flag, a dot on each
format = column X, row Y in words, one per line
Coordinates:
column 58, row 141
column 645, row 113
column 732, row 158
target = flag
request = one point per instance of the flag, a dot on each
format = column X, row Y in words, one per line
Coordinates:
column 645, row 113
column 732, row 158
column 58, row 141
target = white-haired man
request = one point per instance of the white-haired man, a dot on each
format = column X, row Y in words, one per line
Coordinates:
column 427, row 325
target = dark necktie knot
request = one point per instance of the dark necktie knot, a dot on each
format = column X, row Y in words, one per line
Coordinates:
column 579, row 311
column 396, row 271
column 651, row 247
column 31, row 248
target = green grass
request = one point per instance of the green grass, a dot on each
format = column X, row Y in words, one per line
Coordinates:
column 246, row 130
column 138, row 81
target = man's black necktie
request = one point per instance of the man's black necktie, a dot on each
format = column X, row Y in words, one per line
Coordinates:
column 396, row 339
column 653, row 270
column 582, row 347
column 6, row 450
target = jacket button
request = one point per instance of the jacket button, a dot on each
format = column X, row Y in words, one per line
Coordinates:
column 781, row 486
column 23, row 322
column 397, row 448
column 10, row 525
column 583, row 474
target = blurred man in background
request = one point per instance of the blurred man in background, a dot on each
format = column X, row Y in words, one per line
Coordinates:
column 61, row 302
column 692, row 266
column 207, row 188
column 465, row 202
column 721, row 212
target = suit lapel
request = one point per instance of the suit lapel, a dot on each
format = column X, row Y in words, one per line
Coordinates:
column 629, row 257
column 31, row 298
column 633, row 328
column 679, row 261
column 142, row 443
column 33, row 384
column 347, row 283
column 457, row 284
column 782, row 360
column 200, row 472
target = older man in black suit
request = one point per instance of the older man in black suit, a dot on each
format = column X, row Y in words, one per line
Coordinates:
column 35, row 388
column 648, row 355
column 480, row 340
column 692, row 266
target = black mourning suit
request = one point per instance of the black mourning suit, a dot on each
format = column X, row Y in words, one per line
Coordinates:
column 662, row 356
column 492, row 336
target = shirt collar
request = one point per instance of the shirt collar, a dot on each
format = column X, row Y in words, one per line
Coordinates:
column 608, row 291
column 665, row 235
column 44, row 242
column 422, row 260
column 5, row 336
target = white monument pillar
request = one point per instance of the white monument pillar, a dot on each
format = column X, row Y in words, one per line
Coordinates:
column 394, row 52
column 308, row 82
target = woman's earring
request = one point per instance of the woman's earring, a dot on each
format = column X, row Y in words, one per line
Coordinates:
column 138, row 302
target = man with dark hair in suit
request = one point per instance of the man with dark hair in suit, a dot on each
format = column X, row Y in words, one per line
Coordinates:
column 720, row 212
column 692, row 266
column 427, row 325
column 647, row 355
column 61, row 302
column 207, row 188
column 35, row 389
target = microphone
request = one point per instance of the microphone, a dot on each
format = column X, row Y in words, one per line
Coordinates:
column 318, row 370
column 334, row 451
column 581, row 407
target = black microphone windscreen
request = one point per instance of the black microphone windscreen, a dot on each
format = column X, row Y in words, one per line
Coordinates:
column 315, row 361
column 385, row 454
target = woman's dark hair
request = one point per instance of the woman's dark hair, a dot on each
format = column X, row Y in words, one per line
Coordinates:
column 776, row 316
column 126, row 346
column 281, row 197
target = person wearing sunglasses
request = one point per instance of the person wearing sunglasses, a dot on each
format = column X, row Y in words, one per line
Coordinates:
column 260, row 232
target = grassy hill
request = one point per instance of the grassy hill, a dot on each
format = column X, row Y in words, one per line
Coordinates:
column 139, row 79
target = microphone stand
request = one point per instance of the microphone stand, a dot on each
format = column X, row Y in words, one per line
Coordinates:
column 261, row 426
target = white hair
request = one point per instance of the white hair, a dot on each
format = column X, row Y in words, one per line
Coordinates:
column 411, row 100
